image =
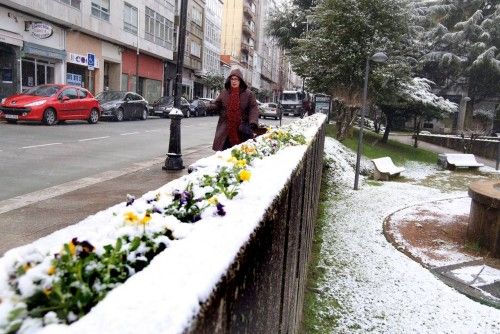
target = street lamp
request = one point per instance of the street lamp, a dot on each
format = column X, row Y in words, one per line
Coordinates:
column 378, row 57
column 174, row 156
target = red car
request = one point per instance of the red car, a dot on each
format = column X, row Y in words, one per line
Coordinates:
column 50, row 104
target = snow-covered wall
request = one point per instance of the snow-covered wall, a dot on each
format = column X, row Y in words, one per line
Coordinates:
column 241, row 267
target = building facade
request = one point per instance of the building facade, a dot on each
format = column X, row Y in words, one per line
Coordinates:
column 86, row 43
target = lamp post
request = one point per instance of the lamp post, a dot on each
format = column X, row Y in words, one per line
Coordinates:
column 378, row 57
column 174, row 156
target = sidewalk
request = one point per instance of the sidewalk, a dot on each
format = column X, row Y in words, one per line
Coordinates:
column 32, row 216
column 406, row 138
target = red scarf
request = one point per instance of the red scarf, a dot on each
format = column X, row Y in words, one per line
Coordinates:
column 234, row 116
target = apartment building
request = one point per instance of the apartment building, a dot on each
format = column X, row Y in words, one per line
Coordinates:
column 211, row 64
column 86, row 42
column 240, row 34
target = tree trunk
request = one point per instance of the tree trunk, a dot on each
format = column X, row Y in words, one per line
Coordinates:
column 389, row 115
column 416, row 128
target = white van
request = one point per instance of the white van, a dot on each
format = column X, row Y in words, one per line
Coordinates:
column 291, row 102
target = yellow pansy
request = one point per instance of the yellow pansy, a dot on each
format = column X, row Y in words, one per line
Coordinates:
column 213, row 200
column 72, row 248
column 241, row 163
column 244, row 175
column 145, row 219
column 26, row 266
column 51, row 270
column 130, row 217
column 249, row 149
column 232, row 160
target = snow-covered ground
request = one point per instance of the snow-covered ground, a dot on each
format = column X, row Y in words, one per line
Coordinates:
column 375, row 287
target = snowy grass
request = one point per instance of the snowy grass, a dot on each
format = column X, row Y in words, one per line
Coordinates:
column 399, row 153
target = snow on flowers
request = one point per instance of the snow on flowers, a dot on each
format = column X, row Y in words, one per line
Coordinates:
column 60, row 286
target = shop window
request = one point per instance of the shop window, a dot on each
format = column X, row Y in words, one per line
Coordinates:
column 28, row 70
column 124, row 84
column 151, row 89
column 100, row 9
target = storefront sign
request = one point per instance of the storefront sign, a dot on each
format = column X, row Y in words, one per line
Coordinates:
column 73, row 79
column 83, row 60
column 41, row 30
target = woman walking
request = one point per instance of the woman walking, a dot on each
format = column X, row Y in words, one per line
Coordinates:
column 238, row 113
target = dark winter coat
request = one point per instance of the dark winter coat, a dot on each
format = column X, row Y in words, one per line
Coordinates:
column 248, row 107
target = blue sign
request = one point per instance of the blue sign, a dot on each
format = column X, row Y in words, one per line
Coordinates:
column 73, row 79
column 90, row 61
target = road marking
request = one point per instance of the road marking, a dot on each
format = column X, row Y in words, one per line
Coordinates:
column 44, row 194
column 156, row 130
column 129, row 133
column 95, row 138
column 42, row 145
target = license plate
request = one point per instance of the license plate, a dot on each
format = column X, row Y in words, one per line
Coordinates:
column 11, row 116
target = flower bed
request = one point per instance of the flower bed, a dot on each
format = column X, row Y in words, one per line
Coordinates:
column 200, row 220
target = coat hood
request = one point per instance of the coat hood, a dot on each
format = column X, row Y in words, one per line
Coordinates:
column 237, row 73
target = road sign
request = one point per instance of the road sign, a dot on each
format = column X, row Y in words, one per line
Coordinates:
column 90, row 61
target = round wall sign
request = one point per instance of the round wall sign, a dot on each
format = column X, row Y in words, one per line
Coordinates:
column 41, row 30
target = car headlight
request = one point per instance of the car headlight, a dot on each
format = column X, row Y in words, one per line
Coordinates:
column 36, row 103
column 3, row 100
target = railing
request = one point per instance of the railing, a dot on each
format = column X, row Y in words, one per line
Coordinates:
column 263, row 289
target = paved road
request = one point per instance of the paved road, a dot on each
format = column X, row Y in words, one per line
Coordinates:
column 34, row 157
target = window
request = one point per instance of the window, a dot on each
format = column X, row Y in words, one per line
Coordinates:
column 197, row 16
column 100, row 9
column 70, row 92
column 196, row 49
column 82, row 94
column 130, row 18
column 72, row 3
column 159, row 29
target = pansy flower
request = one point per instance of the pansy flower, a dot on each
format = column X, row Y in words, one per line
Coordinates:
column 244, row 175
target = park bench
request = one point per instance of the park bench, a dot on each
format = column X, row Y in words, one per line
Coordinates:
column 385, row 168
column 458, row 160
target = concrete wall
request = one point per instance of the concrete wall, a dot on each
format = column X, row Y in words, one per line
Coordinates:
column 263, row 290
column 483, row 148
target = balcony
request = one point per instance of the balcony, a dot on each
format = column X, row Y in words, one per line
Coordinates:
column 247, row 48
column 248, row 30
column 248, row 11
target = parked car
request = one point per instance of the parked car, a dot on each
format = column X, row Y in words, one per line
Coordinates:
column 121, row 105
column 199, row 106
column 51, row 104
column 270, row 110
column 164, row 105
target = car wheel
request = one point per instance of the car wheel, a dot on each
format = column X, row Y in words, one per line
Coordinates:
column 93, row 117
column 49, row 117
column 119, row 116
column 11, row 121
column 144, row 114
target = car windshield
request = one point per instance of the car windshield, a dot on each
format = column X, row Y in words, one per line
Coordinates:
column 42, row 90
column 271, row 105
column 290, row 96
column 110, row 96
